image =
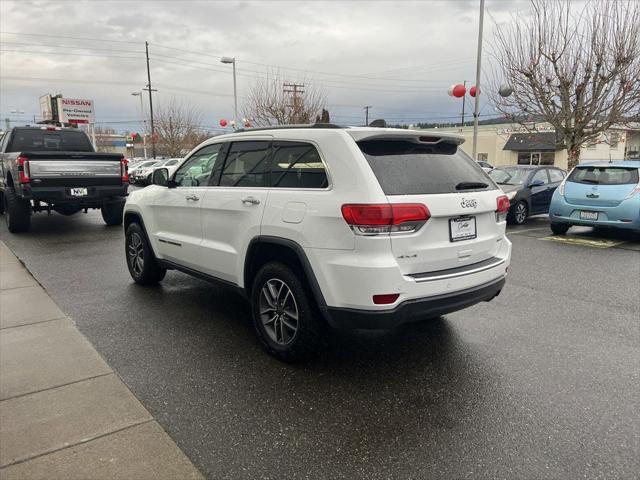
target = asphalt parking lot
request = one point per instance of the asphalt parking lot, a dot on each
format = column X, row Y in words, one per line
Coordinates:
column 540, row 383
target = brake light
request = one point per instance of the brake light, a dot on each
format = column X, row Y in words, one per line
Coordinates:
column 384, row 218
column 561, row 188
column 502, row 208
column 385, row 299
column 23, row 169
column 124, row 169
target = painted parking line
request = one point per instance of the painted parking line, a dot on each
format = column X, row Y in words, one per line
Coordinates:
column 516, row 232
column 587, row 242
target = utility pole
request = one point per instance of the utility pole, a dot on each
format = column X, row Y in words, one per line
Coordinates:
column 366, row 115
column 476, row 110
column 149, row 89
column 295, row 89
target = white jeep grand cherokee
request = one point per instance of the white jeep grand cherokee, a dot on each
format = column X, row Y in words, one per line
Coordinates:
column 320, row 225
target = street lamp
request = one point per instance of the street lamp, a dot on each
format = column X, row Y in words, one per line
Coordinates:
column 143, row 121
column 231, row 60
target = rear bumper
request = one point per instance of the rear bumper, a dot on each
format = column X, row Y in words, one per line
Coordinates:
column 624, row 216
column 96, row 195
column 415, row 309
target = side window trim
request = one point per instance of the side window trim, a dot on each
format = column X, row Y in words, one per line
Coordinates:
column 217, row 171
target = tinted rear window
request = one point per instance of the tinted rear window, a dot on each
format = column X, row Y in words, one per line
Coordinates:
column 406, row 168
column 604, row 175
column 49, row 141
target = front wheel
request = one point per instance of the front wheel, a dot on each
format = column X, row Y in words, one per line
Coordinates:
column 284, row 314
column 112, row 213
column 142, row 263
column 559, row 228
column 518, row 213
column 17, row 212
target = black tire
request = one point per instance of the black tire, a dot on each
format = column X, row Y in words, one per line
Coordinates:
column 309, row 335
column 17, row 212
column 1, row 203
column 112, row 213
column 141, row 262
column 518, row 213
column 560, row 228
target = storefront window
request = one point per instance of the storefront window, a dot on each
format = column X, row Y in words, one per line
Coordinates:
column 536, row 158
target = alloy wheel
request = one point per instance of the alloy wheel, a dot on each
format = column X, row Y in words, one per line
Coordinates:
column 521, row 213
column 136, row 253
column 278, row 311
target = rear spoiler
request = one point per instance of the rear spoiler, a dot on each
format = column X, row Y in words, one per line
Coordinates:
column 418, row 136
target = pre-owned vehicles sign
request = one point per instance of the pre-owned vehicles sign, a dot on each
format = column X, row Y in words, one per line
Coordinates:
column 75, row 110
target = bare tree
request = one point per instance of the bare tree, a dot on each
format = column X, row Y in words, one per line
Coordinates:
column 178, row 128
column 103, row 144
column 276, row 101
column 576, row 68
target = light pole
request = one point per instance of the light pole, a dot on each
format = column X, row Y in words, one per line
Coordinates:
column 232, row 61
column 476, row 109
column 144, row 123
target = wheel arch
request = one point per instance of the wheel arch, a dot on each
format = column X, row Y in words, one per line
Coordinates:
column 263, row 249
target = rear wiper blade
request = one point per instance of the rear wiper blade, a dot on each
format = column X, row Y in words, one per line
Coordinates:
column 470, row 185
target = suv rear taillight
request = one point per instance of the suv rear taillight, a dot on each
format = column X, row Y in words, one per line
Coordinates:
column 502, row 208
column 384, row 218
column 23, row 169
column 124, row 169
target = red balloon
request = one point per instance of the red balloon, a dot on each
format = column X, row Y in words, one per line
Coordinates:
column 223, row 123
column 472, row 91
column 459, row 91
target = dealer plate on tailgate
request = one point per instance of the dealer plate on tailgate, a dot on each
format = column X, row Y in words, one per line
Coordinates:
column 79, row 192
column 462, row 228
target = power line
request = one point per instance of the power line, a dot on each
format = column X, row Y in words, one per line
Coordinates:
column 69, row 37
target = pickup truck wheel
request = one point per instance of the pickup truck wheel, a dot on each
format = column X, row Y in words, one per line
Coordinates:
column 284, row 314
column 112, row 213
column 142, row 263
column 17, row 212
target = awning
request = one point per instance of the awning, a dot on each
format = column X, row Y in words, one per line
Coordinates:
column 536, row 141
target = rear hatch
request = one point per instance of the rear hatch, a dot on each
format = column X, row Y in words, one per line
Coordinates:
column 459, row 195
column 600, row 186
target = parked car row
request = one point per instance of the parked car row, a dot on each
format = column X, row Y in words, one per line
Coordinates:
column 141, row 172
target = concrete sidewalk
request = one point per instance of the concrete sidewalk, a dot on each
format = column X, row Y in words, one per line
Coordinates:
column 64, row 414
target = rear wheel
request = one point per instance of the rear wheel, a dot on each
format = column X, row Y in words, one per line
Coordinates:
column 284, row 314
column 559, row 228
column 17, row 212
column 142, row 263
column 518, row 213
column 112, row 213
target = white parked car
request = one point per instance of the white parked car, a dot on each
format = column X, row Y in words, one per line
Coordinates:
column 140, row 170
column 347, row 227
column 171, row 164
column 486, row 166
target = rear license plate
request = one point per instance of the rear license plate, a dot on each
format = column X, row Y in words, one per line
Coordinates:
column 79, row 192
column 584, row 215
column 462, row 228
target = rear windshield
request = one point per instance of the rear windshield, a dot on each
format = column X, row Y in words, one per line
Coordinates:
column 604, row 175
column 33, row 140
column 406, row 168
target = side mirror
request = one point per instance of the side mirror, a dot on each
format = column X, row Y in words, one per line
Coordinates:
column 536, row 183
column 160, row 177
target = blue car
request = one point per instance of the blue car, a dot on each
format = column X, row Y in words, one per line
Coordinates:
column 598, row 195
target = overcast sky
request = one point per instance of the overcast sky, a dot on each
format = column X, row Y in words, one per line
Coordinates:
column 398, row 56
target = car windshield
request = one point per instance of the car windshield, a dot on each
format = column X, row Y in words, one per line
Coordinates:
column 148, row 164
column 604, row 175
column 509, row 176
column 39, row 140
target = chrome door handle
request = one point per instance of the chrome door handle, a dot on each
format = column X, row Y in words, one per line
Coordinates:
column 195, row 198
column 251, row 200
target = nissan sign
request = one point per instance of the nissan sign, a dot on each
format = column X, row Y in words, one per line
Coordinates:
column 75, row 110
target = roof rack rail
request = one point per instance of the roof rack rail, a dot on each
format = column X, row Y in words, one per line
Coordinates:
column 285, row 127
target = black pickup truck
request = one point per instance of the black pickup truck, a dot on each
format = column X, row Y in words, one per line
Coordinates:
column 53, row 168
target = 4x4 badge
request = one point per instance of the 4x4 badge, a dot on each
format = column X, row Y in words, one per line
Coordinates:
column 469, row 203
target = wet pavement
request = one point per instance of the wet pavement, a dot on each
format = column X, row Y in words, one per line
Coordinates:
column 542, row 382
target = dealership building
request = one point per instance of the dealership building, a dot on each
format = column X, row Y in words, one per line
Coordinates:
column 511, row 144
